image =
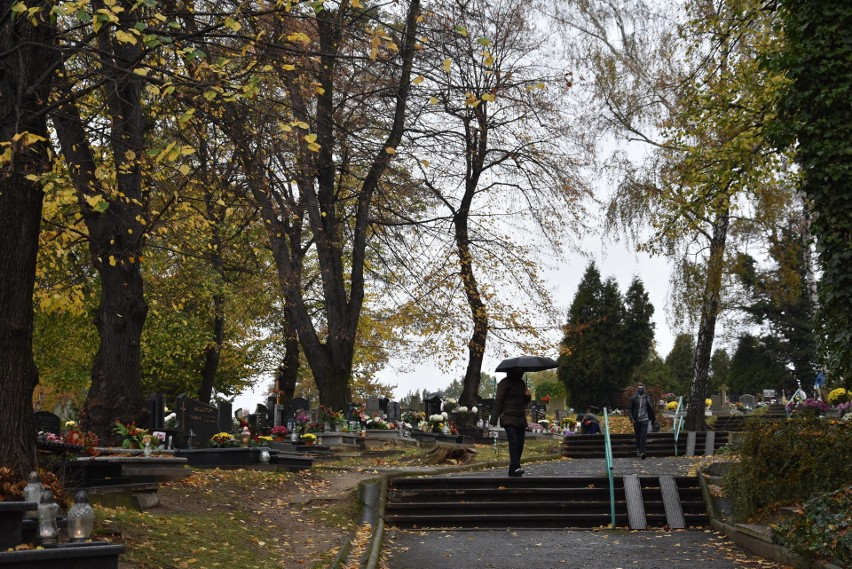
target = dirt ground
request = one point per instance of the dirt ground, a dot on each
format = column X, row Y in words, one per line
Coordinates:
column 306, row 512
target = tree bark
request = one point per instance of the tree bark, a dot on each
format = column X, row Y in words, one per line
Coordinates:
column 479, row 316
column 25, row 60
column 115, row 234
column 707, row 325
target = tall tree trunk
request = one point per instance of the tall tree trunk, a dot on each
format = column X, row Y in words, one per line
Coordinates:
column 707, row 325
column 116, row 233
column 479, row 315
column 25, row 60
column 214, row 348
column 288, row 371
column 213, row 351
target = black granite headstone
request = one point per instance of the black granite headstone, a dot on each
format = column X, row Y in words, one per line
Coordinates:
column 383, row 404
column 352, row 412
column 432, row 404
column 225, row 417
column 270, row 411
column 393, row 411
column 299, row 403
column 157, row 410
column 46, row 422
column 202, row 419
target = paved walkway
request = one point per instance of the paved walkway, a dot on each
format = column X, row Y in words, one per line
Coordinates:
column 578, row 549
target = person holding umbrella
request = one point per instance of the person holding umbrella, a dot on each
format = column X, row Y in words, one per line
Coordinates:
column 510, row 407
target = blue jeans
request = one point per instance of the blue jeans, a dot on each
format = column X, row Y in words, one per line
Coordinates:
column 515, row 436
column 641, row 430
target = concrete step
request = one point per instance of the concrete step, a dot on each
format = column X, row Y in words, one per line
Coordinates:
column 541, row 502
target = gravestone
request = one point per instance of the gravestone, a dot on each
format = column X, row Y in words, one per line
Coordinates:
column 352, row 412
column 556, row 404
column 270, row 408
column 537, row 412
column 383, row 405
column 748, row 402
column 432, row 404
column 299, row 403
column 46, row 422
column 200, row 418
column 225, row 417
column 715, row 402
column 253, row 422
column 157, row 410
column 769, row 394
column 373, row 407
column 485, row 407
column 262, row 420
column 278, row 418
column 393, row 411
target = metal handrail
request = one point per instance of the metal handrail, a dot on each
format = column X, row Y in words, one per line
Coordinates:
column 608, row 452
column 678, row 422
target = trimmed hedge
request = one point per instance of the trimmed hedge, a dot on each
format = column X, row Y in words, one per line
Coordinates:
column 787, row 462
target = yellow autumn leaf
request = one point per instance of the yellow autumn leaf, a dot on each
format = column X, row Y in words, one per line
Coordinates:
column 314, row 147
column 299, row 37
column 112, row 261
column 448, row 63
column 356, row 4
column 184, row 169
column 125, row 37
column 232, row 24
column 433, row 100
column 140, row 71
column 425, row 163
column 417, row 80
column 390, row 150
column 301, row 124
column 288, row 67
column 487, row 97
column 310, row 138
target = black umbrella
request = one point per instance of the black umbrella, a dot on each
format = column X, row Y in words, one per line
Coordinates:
column 527, row 363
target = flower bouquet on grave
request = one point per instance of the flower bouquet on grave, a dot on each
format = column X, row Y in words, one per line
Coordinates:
column 436, row 422
column 330, row 417
column 131, row 434
column 301, row 419
column 308, row 438
column 224, row 440
column 378, row 423
column 87, row 440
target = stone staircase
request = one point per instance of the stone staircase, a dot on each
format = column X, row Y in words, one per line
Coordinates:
column 544, row 502
column 659, row 444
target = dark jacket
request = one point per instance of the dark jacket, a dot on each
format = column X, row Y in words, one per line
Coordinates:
column 634, row 408
column 510, row 406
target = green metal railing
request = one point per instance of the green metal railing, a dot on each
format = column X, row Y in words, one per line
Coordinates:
column 608, row 449
column 678, row 422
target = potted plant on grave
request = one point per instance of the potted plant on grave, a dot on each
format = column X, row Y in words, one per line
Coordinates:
column 279, row 432
column 131, row 434
column 308, row 438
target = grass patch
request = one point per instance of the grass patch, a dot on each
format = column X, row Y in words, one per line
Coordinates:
column 211, row 539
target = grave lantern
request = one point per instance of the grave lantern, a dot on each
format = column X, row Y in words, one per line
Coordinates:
column 47, row 510
column 32, row 492
column 264, row 454
column 81, row 518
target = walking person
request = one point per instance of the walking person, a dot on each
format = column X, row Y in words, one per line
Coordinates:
column 641, row 415
column 510, row 407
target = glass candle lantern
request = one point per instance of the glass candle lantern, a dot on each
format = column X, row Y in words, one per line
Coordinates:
column 47, row 510
column 32, row 492
column 264, row 454
column 81, row 518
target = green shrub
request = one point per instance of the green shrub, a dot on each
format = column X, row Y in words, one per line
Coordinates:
column 822, row 529
column 789, row 461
